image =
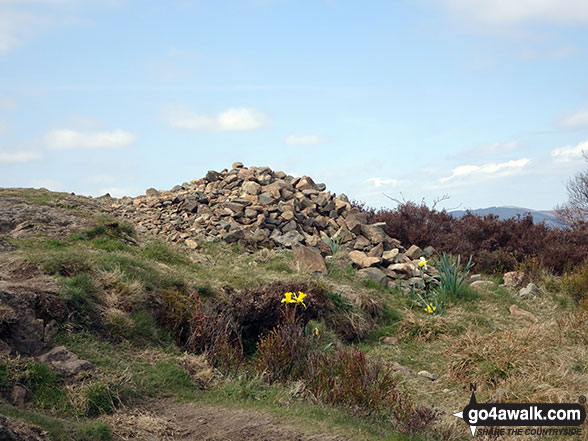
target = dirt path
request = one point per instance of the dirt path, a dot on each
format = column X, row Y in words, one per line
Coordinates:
column 167, row 420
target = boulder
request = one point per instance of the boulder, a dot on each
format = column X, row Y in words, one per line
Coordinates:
column 64, row 361
column 372, row 274
column 309, row 259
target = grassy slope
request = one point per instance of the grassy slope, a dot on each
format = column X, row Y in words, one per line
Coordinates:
column 475, row 341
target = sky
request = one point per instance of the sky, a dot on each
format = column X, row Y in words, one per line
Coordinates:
column 485, row 101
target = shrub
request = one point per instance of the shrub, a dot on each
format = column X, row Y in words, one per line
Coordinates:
column 575, row 284
column 496, row 245
column 283, row 354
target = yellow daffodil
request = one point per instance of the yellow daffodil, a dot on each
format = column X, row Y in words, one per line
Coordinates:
column 316, row 332
column 430, row 308
column 300, row 298
column 288, row 298
column 423, row 262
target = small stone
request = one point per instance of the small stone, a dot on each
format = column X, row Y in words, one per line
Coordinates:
column 518, row 312
column 362, row 260
column 402, row 370
column 152, row 193
column 212, row 176
column 482, row 284
column 474, row 278
column 251, row 187
column 290, row 239
column 429, row 251
column 237, row 165
column 377, row 251
column 62, row 360
column 192, row 244
column 392, row 341
column 390, row 256
column 530, row 291
column 513, row 279
column 428, row 375
column 18, row 396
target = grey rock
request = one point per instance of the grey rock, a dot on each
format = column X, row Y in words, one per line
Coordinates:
column 429, row 251
column 373, row 274
column 290, row 239
column 414, row 252
column 62, row 360
column 212, row 176
column 428, row 375
column 529, row 291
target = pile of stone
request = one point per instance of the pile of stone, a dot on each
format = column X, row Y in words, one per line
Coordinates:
column 256, row 207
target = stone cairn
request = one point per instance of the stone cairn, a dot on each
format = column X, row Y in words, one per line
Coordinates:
column 257, row 207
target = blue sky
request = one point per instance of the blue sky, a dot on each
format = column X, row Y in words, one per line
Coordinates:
column 483, row 100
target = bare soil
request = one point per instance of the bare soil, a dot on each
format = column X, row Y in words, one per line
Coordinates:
column 167, row 420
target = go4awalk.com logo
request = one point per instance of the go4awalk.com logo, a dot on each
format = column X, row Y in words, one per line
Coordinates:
column 508, row 419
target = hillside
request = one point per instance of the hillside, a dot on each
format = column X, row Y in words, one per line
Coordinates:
column 252, row 305
column 507, row 212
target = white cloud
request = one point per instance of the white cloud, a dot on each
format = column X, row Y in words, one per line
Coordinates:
column 381, row 182
column 234, row 119
column 19, row 157
column 304, row 140
column 485, row 171
column 577, row 120
column 67, row 139
column 569, row 153
column 519, row 11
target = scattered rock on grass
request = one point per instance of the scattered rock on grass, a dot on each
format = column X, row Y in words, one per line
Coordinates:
column 530, row 290
column 482, row 284
column 65, row 361
column 518, row 312
column 428, row 375
column 513, row 279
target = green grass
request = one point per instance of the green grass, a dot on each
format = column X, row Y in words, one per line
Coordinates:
column 60, row 429
column 284, row 402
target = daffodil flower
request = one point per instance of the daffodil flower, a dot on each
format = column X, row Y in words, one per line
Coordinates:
column 288, row 298
column 430, row 308
column 423, row 262
column 300, row 298
column 316, row 331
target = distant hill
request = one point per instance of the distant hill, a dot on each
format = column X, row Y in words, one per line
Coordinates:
column 508, row 212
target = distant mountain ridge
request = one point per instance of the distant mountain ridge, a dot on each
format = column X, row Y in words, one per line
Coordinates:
column 509, row 211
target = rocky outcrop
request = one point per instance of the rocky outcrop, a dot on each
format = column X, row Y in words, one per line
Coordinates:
column 257, row 206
